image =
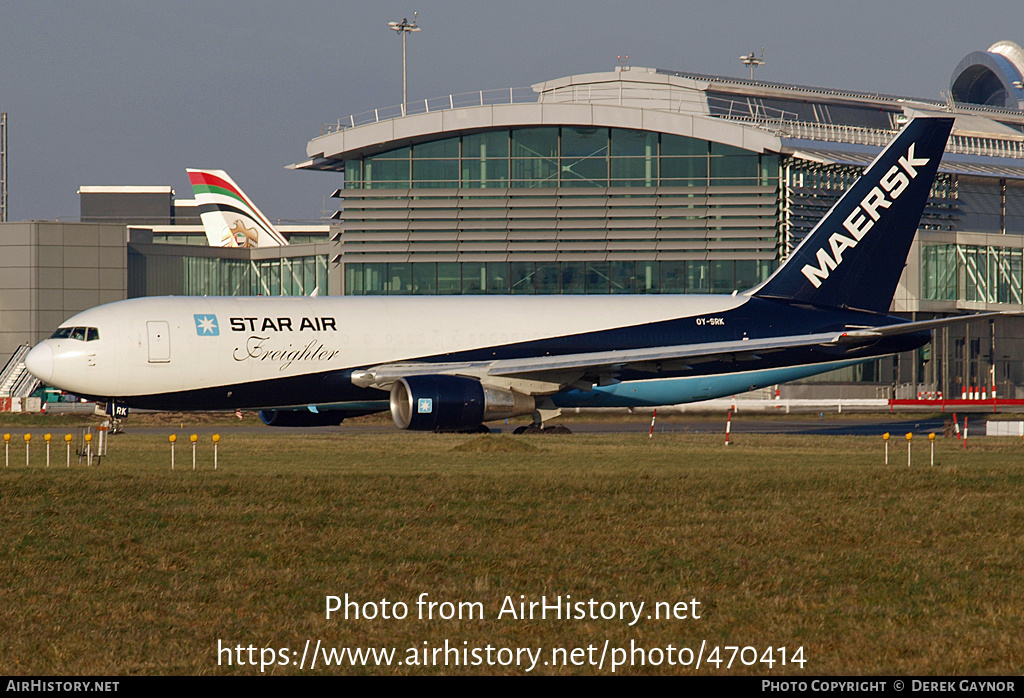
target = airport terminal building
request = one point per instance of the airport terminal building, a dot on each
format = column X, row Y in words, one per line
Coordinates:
column 652, row 181
column 641, row 181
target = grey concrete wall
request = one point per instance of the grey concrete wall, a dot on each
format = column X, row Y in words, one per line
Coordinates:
column 50, row 270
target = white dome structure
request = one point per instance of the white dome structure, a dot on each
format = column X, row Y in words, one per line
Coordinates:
column 992, row 78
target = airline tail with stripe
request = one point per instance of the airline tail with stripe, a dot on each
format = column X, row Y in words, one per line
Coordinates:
column 229, row 217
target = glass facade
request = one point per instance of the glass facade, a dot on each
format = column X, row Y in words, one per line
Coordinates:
column 567, row 156
column 430, row 278
column 981, row 273
column 294, row 276
column 595, row 214
column 180, row 239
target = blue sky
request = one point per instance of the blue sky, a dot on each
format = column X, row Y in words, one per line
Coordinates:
column 131, row 93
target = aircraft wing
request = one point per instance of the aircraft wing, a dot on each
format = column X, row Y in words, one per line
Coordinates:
column 552, row 373
column 564, row 369
column 648, row 358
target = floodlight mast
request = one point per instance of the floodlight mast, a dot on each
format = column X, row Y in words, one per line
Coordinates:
column 403, row 28
column 752, row 61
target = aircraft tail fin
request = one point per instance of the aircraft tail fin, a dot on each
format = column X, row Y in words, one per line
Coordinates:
column 229, row 217
column 855, row 255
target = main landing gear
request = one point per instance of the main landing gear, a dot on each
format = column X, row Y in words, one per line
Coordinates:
column 540, row 417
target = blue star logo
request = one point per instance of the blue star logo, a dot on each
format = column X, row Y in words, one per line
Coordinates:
column 206, row 325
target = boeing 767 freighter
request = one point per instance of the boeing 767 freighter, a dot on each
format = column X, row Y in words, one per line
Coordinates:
column 453, row 363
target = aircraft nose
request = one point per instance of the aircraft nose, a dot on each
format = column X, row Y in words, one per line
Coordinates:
column 39, row 362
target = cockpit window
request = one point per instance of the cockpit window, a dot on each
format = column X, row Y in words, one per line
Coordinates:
column 85, row 334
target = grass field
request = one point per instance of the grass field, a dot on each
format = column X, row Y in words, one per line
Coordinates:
column 786, row 541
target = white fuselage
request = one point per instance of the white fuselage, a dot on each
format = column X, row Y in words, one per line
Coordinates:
column 151, row 346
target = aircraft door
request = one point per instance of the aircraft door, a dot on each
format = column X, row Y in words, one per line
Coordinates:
column 159, row 341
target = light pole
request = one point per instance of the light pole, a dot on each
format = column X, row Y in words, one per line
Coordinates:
column 752, row 61
column 403, row 28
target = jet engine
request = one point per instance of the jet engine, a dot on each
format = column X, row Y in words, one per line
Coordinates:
column 439, row 403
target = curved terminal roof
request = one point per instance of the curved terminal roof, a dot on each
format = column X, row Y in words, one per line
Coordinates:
column 753, row 115
column 639, row 98
column 993, row 78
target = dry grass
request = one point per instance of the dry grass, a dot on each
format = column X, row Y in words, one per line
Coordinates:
column 786, row 541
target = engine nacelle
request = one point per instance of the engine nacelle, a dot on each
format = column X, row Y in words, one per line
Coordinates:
column 301, row 418
column 433, row 403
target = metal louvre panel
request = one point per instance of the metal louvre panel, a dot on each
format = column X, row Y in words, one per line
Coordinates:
column 580, row 224
column 539, row 234
column 650, row 225
column 617, row 211
column 630, row 234
column 681, row 244
column 532, row 246
column 484, row 227
column 433, row 236
column 514, row 202
column 632, row 245
column 481, row 246
column 474, row 234
column 482, row 215
column 433, row 225
column 377, row 247
column 366, row 236
column 429, row 246
column 530, row 224
column 544, row 223
column 420, row 214
column 682, row 224
column 722, row 223
column 356, row 203
column 633, row 201
column 530, row 213
column 373, row 215
column 588, row 246
column 348, row 228
column 601, row 202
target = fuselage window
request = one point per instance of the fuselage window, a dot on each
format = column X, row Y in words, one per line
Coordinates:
column 91, row 334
